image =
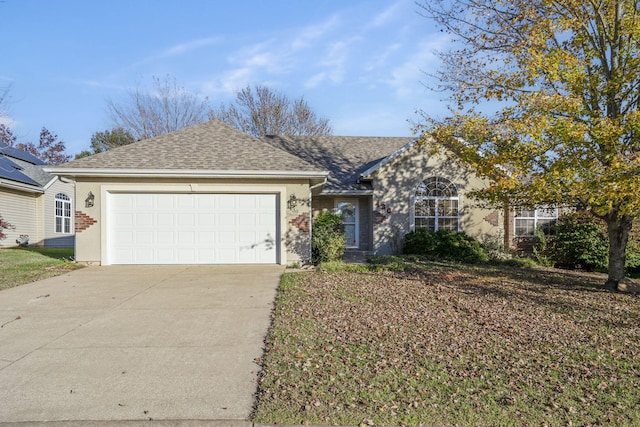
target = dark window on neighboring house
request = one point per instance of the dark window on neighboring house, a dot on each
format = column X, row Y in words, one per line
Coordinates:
column 436, row 205
column 63, row 213
column 528, row 220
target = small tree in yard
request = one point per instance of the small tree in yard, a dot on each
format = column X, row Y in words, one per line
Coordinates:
column 328, row 240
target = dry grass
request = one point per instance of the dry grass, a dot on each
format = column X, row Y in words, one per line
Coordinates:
column 446, row 344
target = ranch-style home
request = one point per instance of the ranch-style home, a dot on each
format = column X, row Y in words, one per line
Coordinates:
column 210, row 194
column 37, row 204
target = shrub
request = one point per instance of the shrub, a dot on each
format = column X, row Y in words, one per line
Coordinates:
column 4, row 225
column 444, row 244
column 579, row 241
column 328, row 242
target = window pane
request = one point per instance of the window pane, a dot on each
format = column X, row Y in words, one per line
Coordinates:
column 524, row 227
column 450, row 224
column 428, row 223
column 58, row 224
column 525, row 213
column 547, row 212
column 348, row 212
column 422, row 208
column 350, row 233
column 545, row 225
column 67, row 225
column 448, row 208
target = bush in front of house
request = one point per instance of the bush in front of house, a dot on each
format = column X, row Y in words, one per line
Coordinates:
column 579, row 241
column 444, row 244
column 328, row 242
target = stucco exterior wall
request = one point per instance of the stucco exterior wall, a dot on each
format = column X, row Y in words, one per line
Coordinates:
column 91, row 227
column 394, row 188
column 23, row 210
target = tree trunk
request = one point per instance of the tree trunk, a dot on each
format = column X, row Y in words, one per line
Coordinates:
column 618, row 228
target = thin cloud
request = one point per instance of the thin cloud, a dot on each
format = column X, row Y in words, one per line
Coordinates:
column 386, row 16
column 405, row 78
column 181, row 49
column 312, row 33
column 189, row 46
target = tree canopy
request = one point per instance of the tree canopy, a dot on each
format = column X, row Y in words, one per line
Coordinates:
column 260, row 111
column 103, row 141
column 49, row 149
column 169, row 107
column 564, row 75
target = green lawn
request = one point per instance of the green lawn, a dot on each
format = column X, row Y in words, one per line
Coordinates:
column 24, row 265
column 446, row 344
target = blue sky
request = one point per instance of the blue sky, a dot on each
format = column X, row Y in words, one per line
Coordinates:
column 359, row 63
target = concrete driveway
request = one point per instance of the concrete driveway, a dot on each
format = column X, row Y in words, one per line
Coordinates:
column 135, row 343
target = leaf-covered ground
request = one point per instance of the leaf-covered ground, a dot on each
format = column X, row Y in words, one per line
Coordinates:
column 451, row 345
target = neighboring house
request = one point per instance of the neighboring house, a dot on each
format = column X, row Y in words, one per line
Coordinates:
column 38, row 204
column 211, row 194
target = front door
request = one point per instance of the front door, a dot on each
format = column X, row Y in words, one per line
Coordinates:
column 348, row 209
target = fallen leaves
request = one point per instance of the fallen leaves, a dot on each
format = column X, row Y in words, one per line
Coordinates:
column 463, row 346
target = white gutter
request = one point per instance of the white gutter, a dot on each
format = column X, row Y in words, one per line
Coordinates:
column 19, row 186
column 182, row 173
column 311, row 217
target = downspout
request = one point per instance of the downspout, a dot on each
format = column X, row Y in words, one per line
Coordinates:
column 311, row 217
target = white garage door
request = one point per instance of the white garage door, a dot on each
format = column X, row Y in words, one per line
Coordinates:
column 192, row 229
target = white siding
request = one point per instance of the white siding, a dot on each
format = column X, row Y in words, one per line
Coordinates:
column 20, row 210
column 53, row 239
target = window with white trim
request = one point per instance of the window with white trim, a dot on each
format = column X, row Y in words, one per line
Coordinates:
column 527, row 221
column 436, row 205
column 63, row 213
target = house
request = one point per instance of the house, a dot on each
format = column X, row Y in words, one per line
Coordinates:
column 211, row 194
column 385, row 187
column 37, row 204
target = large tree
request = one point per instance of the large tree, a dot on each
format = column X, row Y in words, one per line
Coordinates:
column 261, row 111
column 563, row 77
column 103, row 141
column 167, row 108
column 50, row 149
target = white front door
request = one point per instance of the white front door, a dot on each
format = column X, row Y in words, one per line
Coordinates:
column 348, row 209
column 159, row 228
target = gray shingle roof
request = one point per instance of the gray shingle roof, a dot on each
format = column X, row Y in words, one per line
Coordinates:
column 345, row 157
column 23, row 167
column 210, row 146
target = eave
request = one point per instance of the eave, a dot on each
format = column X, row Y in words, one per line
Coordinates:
column 184, row 173
column 20, row 186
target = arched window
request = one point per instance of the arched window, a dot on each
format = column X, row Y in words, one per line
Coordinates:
column 436, row 205
column 63, row 213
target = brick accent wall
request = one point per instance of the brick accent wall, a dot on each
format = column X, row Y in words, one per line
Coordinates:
column 301, row 222
column 83, row 221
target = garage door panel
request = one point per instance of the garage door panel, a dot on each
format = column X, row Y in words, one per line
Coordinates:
column 191, row 228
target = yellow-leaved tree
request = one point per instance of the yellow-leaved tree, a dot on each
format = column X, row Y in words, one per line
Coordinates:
column 563, row 80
